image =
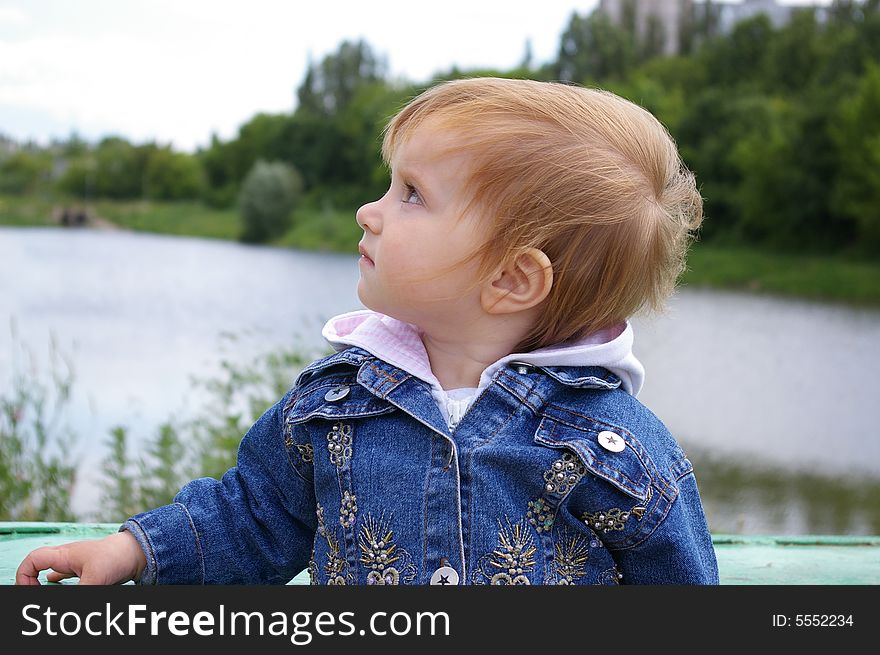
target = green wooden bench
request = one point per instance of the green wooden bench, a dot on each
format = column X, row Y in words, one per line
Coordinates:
column 750, row 560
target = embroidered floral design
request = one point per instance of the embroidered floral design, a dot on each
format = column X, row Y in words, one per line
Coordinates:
column 336, row 566
column 610, row 577
column 540, row 515
column 639, row 510
column 306, row 452
column 348, row 510
column 571, row 555
column 563, row 474
column 379, row 552
column 339, row 444
column 313, row 570
column 559, row 479
column 612, row 519
column 514, row 556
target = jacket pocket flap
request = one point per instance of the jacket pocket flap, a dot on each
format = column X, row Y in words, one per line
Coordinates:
column 332, row 398
column 628, row 469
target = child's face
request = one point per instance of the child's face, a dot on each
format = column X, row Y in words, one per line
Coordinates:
column 416, row 231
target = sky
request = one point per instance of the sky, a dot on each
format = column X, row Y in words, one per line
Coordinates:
column 178, row 71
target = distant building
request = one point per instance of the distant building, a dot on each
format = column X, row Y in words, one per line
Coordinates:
column 731, row 13
column 662, row 21
column 659, row 20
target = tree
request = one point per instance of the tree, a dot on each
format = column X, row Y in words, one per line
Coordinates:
column 172, row 175
column 23, row 171
column 856, row 135
column 268, row 195
column 330, row 86
column 594, row 48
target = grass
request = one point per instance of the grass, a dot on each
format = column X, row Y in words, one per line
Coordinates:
column 177, row 218
column 827, row 277
column 25, row 211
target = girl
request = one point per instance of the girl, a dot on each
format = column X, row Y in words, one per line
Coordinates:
column 479, row 423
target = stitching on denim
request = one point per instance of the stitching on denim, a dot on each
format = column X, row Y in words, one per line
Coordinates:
column 192, row 525
column 516, row 393
column 486, row 440
column 426, row 495
column 687, row 472
column 390, row 378
column 152, row 552
column 659, row 521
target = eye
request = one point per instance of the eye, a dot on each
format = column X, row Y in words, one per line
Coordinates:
column 411, row 195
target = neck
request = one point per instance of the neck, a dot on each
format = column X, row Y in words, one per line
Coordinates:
column 459, row 354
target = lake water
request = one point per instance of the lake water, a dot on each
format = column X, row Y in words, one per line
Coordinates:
column 774, row 400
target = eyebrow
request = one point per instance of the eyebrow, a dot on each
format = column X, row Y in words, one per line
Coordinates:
column 407, row 173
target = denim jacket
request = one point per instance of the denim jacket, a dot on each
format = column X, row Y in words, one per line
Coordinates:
column 554, row 475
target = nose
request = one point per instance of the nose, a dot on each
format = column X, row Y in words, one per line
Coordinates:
column 369, row 217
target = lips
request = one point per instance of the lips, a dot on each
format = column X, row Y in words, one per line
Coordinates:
column 364, row 255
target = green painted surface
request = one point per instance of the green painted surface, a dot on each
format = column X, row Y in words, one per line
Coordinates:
column 741, row 559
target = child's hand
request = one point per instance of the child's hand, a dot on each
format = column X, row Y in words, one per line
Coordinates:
column 111, row 560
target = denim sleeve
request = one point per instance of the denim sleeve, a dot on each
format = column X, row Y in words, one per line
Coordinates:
column 679, row 550
column 254, row 526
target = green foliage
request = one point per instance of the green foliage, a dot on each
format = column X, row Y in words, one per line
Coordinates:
column 119, row 170
column 36, row 470
column 329, row 87
column 269, row 193
column 594, row 48
column 856, row 134
column 172, row 175
column 23, row 172
column 206, row 445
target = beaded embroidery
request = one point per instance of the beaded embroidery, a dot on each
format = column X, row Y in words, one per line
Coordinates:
column 571, row 556
column 540, row 515
column 379, row 552
column 339, row 444
column 306, row 452
column 514, row 556
column 615, row 518
column 559, row 479
column 612, row 519
column 563, row 474
column 610, row 577
column 348, row 510
column 336, row 565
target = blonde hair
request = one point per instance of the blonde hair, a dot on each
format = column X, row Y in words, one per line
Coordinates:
column 591, row 179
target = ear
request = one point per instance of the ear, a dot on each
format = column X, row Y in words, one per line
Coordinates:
column 518, row 285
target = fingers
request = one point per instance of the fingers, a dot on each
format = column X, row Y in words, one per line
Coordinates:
column 40, row 559
column 55, row 576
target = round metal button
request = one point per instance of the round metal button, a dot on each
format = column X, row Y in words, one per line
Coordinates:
column 337, row 393
column 611, row 441
column 522, row 367
column 445, row 575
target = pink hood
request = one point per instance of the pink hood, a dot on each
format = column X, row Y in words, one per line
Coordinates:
column 399, row 344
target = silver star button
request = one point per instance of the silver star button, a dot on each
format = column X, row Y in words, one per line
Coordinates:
column 611, row 441
column 337, row 393
column 445, row 575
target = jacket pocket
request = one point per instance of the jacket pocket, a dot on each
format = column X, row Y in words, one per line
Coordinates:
column 334, row 397
column 622, row 498
column 630, row 470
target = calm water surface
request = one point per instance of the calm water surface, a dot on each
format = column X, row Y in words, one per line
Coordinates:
column 773, row 399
